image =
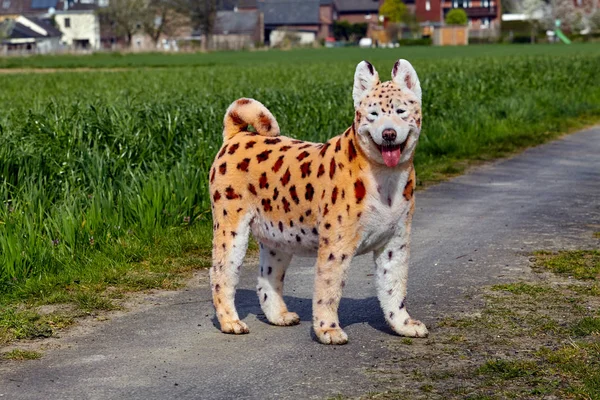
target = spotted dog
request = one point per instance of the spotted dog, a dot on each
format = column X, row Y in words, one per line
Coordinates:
column 350, row 195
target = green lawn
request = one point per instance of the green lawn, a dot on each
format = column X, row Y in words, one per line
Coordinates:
column 103, row 174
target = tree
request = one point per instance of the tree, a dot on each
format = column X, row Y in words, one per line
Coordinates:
column 533, row 11
column 126, row 17
column 456, row 16
column 160, row 18
column 393, row 10
column 202, row 14
column 344, row 30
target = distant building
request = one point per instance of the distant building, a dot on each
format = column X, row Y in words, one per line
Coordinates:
column 358, row 11
column 29, row 34
column 79, row 23
column 238, row 29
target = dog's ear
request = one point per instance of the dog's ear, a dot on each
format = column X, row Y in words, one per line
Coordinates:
column 365, row 79
column 405, row 76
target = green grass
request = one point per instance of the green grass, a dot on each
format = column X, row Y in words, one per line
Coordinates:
column 103, row 175
column 580, row 264
column 20, row 355
column 301, row 56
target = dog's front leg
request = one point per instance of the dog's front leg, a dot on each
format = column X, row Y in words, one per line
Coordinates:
column 391, row 277
column 332, row 264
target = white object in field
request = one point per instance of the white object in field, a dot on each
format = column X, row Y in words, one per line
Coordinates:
column 365, row 42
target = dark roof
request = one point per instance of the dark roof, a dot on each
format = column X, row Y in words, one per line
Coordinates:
column 236, row 22
column 246, row 4
column 15, row 30
column 226, row 5
column 15, row 7
column 43, row 4
column 358, row 5
column 290, row 12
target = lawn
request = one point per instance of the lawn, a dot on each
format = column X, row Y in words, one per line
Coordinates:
column 103, row 174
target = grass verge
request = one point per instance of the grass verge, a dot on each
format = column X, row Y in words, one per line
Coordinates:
column 531, row 340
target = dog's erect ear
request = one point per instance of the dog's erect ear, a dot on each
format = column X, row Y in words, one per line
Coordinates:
column 405, row 76
column 365, row 79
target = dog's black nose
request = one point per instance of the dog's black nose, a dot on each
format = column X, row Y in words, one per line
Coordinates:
column 389, row 135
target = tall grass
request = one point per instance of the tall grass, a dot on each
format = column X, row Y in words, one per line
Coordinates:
column 96, row 166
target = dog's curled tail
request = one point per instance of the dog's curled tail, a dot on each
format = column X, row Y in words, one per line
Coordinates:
column 244, row 112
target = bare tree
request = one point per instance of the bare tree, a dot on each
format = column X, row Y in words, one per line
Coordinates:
column 160, row 18
column 125, row 16
column 202, row 14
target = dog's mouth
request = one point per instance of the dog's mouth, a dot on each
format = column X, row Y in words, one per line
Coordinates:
column 391, row 153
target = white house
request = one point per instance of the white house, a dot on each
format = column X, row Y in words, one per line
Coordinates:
column 80, row 25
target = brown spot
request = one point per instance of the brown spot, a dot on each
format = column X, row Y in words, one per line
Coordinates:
column 216, row 196
column 326, row 210
column 390, row 255
column 286, row 177
column 264, row 121
column 285, row 148
column 310, row 192
column 408, row 190
column 250, row 144
column 233, row 148
column 334, row 195
column 286, row 205
column 305, row 169
column 233, row 233
column 243, row 165
column 278, row 164
column 306, row 146
column 351, row 151
column 298, row 238
column 302, row 155
column 332, row 166
column 262, row 181
column 217, row 288
column 281, row 226
column 223, row 150
column 294, row 194
column 240, row 209
column 252, row 189
column 243, row 102
column 321, row 171
column 338, row 145
column 266, row 203
column 223, row 168
column 359, row 190
column 331, row 257
column 308, row 212
column 275, row 194
column 327, row 225
column 324, row 149
column 272, row 141
column 212, row 175
column 264, row 156
column 235, row 118
column 231, row 194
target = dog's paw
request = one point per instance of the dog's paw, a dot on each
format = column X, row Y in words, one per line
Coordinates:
column 286, row 319
column 235, row 327
column 412, row 328
column 331, row 336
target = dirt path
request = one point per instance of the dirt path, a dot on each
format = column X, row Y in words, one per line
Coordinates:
column 475, row 230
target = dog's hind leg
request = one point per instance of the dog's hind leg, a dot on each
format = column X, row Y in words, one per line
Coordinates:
column 273, row 264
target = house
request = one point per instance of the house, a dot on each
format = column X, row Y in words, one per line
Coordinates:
column 302, row 21
column 29, row 34
column 482, row 14
column 236, row 30
column 79, row 23
column 359, row 11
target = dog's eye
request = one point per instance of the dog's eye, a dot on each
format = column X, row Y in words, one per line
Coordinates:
column 400, row 111
column 373, row 114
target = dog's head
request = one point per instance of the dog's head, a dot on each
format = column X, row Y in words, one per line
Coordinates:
column 388, row 114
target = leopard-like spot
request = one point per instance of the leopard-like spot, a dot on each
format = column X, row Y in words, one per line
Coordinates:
column 324, row 149
column 302, row 155
column 321, row 171
column 310, row 191
column 334, row 195
column 305, row 169
column 286, row 177
column 359, row 191
column 275, row 194
column 285, row 148
column 250, row 144
column 231, row 194
column 351, row 151
column 332, row 166
column 266, row 203
column 233, row 148
column 252, row 189
column 272, row 141
column 286, row 205
column 264, row 156
column 223, row 168
column 216, row 196
column 294, row 194
column 338, row 145
column 263, row 183
column 278, row 164
column 243, row 165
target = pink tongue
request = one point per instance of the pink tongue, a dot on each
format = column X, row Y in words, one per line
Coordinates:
column 391, row 155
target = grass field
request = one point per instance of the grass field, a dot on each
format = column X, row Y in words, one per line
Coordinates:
column 103, row 174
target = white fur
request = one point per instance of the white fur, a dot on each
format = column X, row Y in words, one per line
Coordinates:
column 405, row 76
column 364, row 81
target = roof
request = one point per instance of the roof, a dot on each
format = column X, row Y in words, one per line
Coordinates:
column 358, row 6
column 236, row 22
column 13, row 29
column 290, row 12
column 246, row 4
column 43, row 4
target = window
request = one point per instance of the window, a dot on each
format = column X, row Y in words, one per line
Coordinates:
column 67, row 22
column 427, row 5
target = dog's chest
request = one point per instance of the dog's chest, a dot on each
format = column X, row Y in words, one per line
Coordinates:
column 386, row 211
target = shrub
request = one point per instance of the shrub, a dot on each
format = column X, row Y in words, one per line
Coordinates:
column 456, row 16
